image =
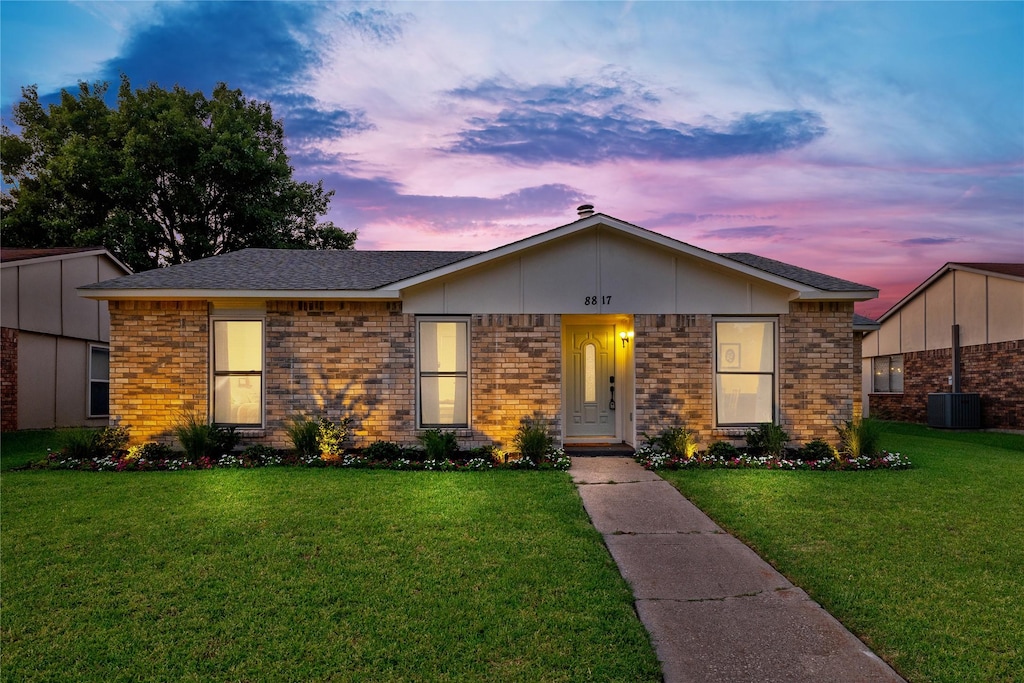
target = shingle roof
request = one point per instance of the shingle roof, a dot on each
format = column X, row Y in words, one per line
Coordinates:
column 8, row 254
column 289, row 269
column 811, row 278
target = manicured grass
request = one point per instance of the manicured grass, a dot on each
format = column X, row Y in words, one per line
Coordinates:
column 18, row 449
column 310, row 575
column 925, row 565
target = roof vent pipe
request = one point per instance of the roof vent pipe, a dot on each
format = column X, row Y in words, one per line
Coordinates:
column 585, row 210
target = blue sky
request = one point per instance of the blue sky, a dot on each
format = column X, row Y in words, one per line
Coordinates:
column 872, row 141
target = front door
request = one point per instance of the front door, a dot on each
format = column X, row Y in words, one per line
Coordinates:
column 590, row 381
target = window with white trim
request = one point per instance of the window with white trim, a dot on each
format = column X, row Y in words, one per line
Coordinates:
column 99, row 381
column 442, row 357
column 745, row 372
column 238, row 372
column 888, row 374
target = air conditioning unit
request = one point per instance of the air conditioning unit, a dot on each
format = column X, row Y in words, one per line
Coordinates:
column 954, row 410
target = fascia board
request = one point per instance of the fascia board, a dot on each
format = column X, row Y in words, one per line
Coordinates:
column 194, row 294
column 819, row 295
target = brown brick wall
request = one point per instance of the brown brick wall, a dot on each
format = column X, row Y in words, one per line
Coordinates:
column 674, row 377
column 8, row 379
column 996, row 371
column 819, row 372
column 517, row 369
column 158, row 365
column 341, row 359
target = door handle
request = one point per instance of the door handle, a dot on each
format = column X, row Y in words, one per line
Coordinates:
column 611, row 403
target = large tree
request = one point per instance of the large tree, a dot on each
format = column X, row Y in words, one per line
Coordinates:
column 164, row 177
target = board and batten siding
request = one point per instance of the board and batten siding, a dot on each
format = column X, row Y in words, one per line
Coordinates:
column 597, row 272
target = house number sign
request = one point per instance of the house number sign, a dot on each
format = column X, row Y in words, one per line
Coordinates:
column 593, row 300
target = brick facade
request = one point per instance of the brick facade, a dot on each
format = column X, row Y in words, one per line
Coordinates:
column 819, row 370
column 672, row 360
column 159, row 353
column 8, row 379
column 517, row 370
column 357, row 360
column 996, row 371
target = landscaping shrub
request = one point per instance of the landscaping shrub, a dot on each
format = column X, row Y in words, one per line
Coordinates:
column 723, row 450
column 768, row 439
column 675, row 441
column 860, row 437
column 200, row 439
column 533, row 440
column 384, row 451
column 112, row 441
column 439, row 445
column 819, row 449
column 79, row 444
column 305, row 436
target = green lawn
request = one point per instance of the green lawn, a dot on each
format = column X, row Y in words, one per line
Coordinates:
column 310, row 575
column 925, row 565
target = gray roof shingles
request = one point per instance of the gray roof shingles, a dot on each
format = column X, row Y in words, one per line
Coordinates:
column 811, row 278
column 290, row 270
column 353, row 270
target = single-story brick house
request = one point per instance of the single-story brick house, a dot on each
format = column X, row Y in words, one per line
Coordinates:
column 605, row 328
column 911, row 355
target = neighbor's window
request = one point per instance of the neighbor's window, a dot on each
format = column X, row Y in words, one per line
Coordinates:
column 443, row 357
column 888, row 373
column 745, row 372
column 99, row 381
column 238, row 372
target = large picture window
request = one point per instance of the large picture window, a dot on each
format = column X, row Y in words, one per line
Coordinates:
column 745, row 372
column 99, row 381
column 443, row 360
column 238, row 372
column 888, row 374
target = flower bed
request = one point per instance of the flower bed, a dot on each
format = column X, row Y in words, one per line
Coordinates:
column 151, row 457
column 653, row 459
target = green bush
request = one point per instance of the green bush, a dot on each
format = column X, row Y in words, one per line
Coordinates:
column 678, row 441
column 383, row 451
column 112, row 441
column 439, row 445
column 768, row 439
column 80, row 444
column 723, row 450
column 150, row 451
column 819, row 449
column 305, row 436
column 200, row 439
column 533, row 440
column 330, row 435
column 860, row 437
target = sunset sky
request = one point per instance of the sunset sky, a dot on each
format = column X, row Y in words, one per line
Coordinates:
column 871, row 141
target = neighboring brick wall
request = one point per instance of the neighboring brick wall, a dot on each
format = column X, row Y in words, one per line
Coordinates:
column 674, row 377
column 8, row 379
column 159, row 353
column 341, row 359
column 819, row 373
column 517, row 369
column 996, row 371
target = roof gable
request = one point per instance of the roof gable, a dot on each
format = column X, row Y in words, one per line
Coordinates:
column 1010, row 271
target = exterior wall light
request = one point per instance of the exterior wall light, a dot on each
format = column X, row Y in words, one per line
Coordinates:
column 626, row 337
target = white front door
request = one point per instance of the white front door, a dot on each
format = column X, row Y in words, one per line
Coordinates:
column 590, row 381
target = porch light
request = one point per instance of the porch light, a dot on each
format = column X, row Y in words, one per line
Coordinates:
column 626, row 337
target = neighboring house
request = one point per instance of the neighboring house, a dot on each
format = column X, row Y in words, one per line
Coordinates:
column 604, row 328
column 55, row 343
column 911, row 355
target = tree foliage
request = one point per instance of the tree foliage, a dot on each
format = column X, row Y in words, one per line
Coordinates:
column 164, row 177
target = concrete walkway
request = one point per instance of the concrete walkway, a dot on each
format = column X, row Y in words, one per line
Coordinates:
column 714, row 609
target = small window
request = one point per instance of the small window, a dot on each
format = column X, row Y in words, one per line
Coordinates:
column 888, row 374
column 99, row 381
column 744, row 372
column 443, row 358
column 238, row 372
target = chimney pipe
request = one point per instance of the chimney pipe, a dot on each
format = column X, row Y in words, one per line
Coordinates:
column 585, row 210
